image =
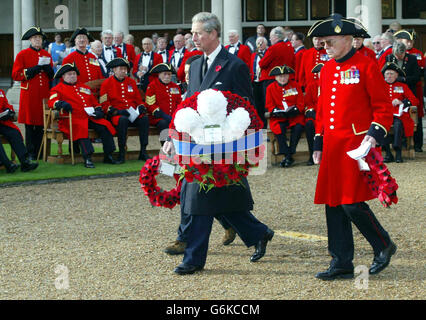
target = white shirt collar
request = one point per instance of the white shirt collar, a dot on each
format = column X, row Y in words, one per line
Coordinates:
column 213, row 55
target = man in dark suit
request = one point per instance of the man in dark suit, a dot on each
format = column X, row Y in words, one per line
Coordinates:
column 217, row 69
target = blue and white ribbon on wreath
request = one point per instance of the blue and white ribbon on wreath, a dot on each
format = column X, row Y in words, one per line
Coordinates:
column 247, row 142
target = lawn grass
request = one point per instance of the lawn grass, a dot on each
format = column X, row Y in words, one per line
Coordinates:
column 47, row 171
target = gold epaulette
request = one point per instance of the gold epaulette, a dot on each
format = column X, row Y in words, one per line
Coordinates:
column 103, row 98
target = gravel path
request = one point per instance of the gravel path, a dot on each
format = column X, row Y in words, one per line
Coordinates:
column 105, row 241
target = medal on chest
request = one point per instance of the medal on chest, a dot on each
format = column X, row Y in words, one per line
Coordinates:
column 398, row 90
column 129, row 88
column 174, row 90
column 350, row 76
column 85, row 90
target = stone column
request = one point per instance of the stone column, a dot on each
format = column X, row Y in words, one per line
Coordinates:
column 120, row 20
column 13, row 93
column 217, row 9
column 106, row 14
column 232, row 19
column 28, row 18
column 353, row 8
column 371, row 16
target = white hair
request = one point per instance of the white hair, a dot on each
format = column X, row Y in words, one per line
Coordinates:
column 105, row 32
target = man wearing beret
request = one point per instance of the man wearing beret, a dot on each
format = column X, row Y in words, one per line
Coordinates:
column 34, row 68
column 86, row 63
column 353, row 109
column 73, row 97
column 119, row 93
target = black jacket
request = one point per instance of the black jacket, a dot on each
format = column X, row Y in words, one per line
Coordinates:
column 411, row 69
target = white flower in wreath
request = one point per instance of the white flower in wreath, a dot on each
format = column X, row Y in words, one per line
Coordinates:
column 211, row 111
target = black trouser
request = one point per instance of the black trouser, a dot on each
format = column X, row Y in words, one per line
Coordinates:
column 33, row 139
column 4, row 160
column 310, row 135
column 295, row 133
column 86, row 147
column 418, row 134
column 339, row 230
column 398, row 133
column 16, row 142
column 141, row 123
column 259, row 101
column 106, row 137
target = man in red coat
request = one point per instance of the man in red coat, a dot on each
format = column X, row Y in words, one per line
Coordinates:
column 278, row 54
column 70, row 96
column 162, row 97
column 33, row 67
column 284, row 101
column 359, row 47
column 407, row 37
column 127, row 50
column 354, row 108
column 235, row 47
column 402, row 99
column 310, row 59
column 120, row 98
column 13, row 135
column 86, row 63
column 386, row 41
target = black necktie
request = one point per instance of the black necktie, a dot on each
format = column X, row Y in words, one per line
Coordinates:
column 146, row 54
column 162, row 52
column 107, row 48
column 205, row 66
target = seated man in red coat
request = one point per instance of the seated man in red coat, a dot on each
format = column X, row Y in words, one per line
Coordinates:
column 162, row 96
column 12, row 133
column 122, row 101
column 73, row 97
column 402, row 98
column 284, row 100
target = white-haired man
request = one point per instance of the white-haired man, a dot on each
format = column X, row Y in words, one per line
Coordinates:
column 238, row 49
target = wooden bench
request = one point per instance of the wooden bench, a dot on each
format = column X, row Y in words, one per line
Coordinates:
column 274, row 158
column 52, row 132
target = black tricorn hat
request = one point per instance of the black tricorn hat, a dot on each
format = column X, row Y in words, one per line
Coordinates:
column 33, row 31
column 163, row 67
column 81, row 31
column 64, row 69
column 118, row 62
column 337, row 25
column 405, row 34
column 278, row 70
column 317, row 68
column 393, row 66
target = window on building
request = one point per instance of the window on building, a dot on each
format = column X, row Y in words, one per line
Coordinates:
column 154, row 11
column 45, row 13
column 320, row 9
column 85, row 13
column 413, row 9
column 190, row 8
column 388, row 9
column 255, row 10
column 276, row 10
column 297, row 10
column 136, row 12
column 173, row 11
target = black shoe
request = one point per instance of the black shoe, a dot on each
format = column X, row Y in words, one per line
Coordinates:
column 184, row 268
column 333, row 273
column 88, row 163
column 143, row 156
column 381, row 261
column 109, row 159
column 288, row 161
column 398, row 159
column 121, row 157
column 417, row 149
column 261, row 246
column 27, row 165
column 388, row 158
column 12, row 167
column 310, row 162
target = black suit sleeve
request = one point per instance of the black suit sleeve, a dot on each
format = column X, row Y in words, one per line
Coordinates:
column 242, row 82
column 413, row 73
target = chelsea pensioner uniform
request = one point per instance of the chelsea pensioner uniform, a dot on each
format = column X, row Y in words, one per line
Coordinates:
column 116, row 95
column 353, row 102
column 87, row 64
column 164, row 97
column 79, row 96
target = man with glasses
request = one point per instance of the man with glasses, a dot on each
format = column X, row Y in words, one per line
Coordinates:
column 353, row 109
column 144, row 62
